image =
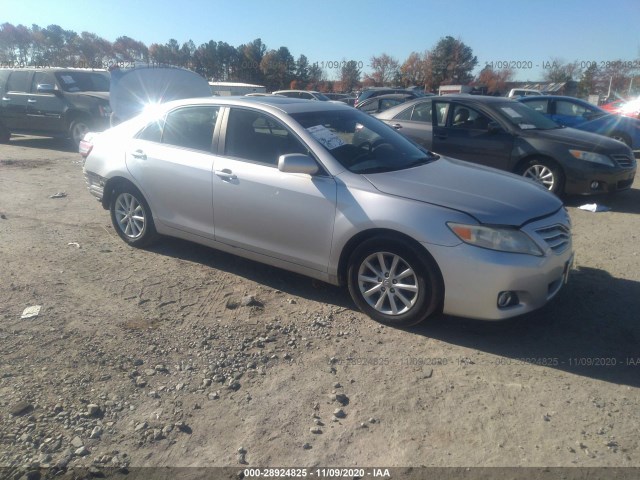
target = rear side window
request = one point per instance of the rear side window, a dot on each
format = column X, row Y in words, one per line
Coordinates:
column 17, row 82
column 190, row 127
column 538, row 105
column 422, row 112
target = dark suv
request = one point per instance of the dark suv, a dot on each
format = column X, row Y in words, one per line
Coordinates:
column 53, row 102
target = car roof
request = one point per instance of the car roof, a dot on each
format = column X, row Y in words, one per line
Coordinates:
column 284, row 104
column 305, row 91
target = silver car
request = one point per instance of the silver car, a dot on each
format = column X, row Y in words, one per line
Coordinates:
column 328, row 191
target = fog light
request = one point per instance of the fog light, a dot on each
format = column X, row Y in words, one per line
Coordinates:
column 507, row 299
column 595, row 185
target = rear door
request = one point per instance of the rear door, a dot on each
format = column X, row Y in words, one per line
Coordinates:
column 13, row 103
column 416, row 122
column 261, row 209
column 172, row 162
column 463, row 132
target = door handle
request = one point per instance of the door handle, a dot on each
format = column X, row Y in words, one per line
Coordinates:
column 225, row 174
column 397, row 126
column 31, row 100
column 139, row 154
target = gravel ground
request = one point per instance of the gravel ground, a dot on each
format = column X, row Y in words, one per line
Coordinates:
column 181, row 356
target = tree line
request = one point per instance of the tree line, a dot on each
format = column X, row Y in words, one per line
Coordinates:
column 450, row 61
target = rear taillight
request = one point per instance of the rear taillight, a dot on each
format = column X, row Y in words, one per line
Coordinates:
column 85, row 146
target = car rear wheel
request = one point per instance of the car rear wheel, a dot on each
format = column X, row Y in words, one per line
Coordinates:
column 77, row 130
column 545, row 172
column 131, row 216
column 393, row 283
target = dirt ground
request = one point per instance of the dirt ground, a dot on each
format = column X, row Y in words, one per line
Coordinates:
column 181, row 356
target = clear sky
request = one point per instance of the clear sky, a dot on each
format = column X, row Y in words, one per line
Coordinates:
column 527, row 32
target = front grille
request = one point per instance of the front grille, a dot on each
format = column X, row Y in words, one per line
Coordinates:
column 558, row 237
column 623, row 161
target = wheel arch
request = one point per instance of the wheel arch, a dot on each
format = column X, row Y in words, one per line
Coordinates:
column 365, row 235
column 624, row 136
column 532, row 156
column 110, row 187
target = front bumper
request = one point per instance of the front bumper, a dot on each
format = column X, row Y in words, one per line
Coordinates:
column 609, row 179
column 474, row 277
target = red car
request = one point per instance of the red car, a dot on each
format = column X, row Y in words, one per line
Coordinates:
column 628, row 108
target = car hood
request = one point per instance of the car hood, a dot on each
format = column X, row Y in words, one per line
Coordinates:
column 574, row 138
column 489, row 195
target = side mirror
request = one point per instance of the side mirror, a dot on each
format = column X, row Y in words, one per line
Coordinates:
column 494, row 127
column 297, row 163
column 45, row 88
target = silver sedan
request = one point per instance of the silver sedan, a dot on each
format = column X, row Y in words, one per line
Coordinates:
column 329, row 192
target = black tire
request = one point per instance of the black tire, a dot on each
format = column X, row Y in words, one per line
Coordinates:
column 621, row 137
column 131, row 216
column 544, row 171
column 5, row 134
column 421, row 289
column 77, row 129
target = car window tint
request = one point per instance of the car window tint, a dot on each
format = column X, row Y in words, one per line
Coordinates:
column 541, row 106
column 468, row 118
column 191, row 127
column 388, row 103
column 442, row 109
column 569, row 109
column 42, row 78
column 258, row 137
column 422, row 112
column 17, row 82
column 370, row 107
column 152, row 132
column 405, row 114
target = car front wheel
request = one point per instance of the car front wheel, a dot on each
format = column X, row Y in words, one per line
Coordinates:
column 393, row 283
column 131, row 216
column 545, row 172
column 5, row 134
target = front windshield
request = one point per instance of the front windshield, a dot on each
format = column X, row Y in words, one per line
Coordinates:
column 79, row 81
column 361, row 143
column 525, row 118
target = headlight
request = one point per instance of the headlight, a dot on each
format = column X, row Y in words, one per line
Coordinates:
column 501, row 239
column 592, row 157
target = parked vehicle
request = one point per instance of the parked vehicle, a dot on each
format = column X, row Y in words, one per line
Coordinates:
column 523, row 92
column 53, row 102
column 286, row 182
column 377, row 91
column 505, row 134
column 303, row 94
column 383, row 102
column 573, row 112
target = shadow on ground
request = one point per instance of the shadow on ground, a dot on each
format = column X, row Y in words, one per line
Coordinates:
column 622, row 202
column 591, row 329
column 44, row 143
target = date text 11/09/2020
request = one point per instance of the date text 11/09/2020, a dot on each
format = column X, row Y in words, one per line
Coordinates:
column 549, row 64
column 316, row 472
